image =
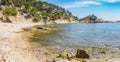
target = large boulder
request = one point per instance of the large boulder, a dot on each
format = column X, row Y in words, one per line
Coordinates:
column 82, row 54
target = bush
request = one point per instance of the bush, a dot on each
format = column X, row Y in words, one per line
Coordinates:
column 32, row 10
column 38, row 16
column 10, row 11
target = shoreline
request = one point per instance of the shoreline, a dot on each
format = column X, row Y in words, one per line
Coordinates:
column 14, row 44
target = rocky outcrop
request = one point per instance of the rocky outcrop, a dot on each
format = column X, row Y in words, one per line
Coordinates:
column 16, row 19
column 91, row 19
column 82, row 54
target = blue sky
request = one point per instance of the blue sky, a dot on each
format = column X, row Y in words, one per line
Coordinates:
column 106, row 9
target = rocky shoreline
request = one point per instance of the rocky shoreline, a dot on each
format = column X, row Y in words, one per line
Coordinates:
column 14, row 47
column 51, row 53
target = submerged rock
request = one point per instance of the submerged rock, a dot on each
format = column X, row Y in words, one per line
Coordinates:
column 82, row 54
column 108, row 45
column 26, row 29
column 39, row 27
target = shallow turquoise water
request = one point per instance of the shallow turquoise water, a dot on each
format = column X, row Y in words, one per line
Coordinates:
column 78, row 34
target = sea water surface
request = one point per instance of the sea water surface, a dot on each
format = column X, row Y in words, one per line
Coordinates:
column 85, row 34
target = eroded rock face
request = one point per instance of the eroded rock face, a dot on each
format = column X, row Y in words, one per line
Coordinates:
column 82, row 54
column 6, row 19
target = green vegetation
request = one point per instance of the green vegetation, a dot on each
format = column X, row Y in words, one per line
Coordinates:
column 91, row 19
column 32, row 10
column 36, row 8
column 37, row 17
column 10, row 11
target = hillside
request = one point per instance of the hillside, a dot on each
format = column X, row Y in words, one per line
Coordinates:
column 91, row 19
column 32, row 10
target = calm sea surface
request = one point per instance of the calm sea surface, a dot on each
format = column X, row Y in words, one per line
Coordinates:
column 78, row 34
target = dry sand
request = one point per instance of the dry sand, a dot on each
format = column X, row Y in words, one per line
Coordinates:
column 13, row 47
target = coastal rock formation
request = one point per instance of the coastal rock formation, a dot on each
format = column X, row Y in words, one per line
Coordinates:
column 82, row 54
column 91, row 19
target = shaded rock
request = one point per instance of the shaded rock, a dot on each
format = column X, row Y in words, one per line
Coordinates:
column 28, row 16
column 45, row 19
column 35, row 20
column 54, row 60
column 39, row 27
column 82, row 54
column 103, row 52
column 1, row 8
column 6, row 19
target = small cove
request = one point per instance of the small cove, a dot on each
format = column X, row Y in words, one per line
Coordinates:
column 84, row 36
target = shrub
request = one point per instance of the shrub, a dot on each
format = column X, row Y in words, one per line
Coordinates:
column 32, row 10
column 37, row 18
column 10, row 11
column 45, row 14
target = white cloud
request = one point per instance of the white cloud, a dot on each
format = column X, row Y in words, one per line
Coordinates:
column 81, row 4
column 109, row 1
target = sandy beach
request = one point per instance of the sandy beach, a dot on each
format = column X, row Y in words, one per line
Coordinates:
column 13, row 43
column 13, row 47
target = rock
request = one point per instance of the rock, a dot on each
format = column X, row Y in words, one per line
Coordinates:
column 28, row 16
column 6, row 19
column 26, row 29
column 82, row 54
column 85, row 60
column 54, row 60
column 35, row 20
column 108, row 45
column 39, row 27
column 103, row 52
column 66, row 55
column 70, row 56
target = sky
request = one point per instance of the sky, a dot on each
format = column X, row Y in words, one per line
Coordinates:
column 105, row 9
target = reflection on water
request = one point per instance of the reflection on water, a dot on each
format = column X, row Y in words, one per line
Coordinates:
column 85, row 35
